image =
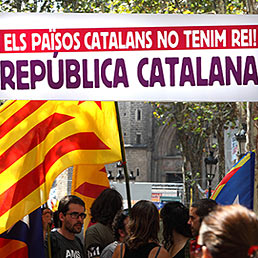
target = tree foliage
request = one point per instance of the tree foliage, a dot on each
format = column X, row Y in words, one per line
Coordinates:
column 198, row 125
column 131, row 6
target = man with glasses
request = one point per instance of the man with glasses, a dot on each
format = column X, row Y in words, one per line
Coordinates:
column 63, row 242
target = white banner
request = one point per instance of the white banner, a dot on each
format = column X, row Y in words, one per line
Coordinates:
column 129, row 57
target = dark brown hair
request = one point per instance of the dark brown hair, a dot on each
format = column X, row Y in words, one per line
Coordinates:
column 229, row 231
column 204, row 207
column 143, row 224
column 175, row 217
column 105, row 207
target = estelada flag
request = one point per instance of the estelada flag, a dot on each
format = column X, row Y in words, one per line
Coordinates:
column 40, row 139
column 24, row 239
column 87, row 183
column 238, row 184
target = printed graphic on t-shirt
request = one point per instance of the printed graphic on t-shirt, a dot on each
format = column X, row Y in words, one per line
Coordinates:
column 72, row 254
column 93, row 251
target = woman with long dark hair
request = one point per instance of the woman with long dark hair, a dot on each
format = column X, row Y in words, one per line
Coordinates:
column 143, row 227
column 176, row 231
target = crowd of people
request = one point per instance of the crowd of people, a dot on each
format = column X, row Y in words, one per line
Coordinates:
column 206, row 230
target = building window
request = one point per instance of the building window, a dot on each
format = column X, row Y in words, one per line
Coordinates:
column 137, row 172
column 174, row 177
column 138, row 114
column 138, row 138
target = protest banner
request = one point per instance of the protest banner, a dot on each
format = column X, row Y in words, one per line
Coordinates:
column 129, row 57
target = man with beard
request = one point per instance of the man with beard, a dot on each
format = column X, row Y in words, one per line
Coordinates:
column 197, row 212
column 63, row 242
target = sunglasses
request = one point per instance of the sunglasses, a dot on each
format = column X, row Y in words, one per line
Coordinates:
column 76, row 215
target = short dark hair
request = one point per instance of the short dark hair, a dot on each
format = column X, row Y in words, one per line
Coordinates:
column 67, row 200
column 118, row 223
column 175, row 217
column 105, row 206
column 204, row 207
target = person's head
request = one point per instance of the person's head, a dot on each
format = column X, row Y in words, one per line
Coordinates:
column 46, row 216
column 119, row 225
column 229, row 232
column 71, row 213
column 105, row 206
column 143, row 224
column 175, row 217
column 198, row 211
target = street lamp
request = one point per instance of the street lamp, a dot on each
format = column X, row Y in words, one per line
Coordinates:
column 132, row 177
column 119, row 176
column 110, row 176
column 210, row 167
column 241, row 138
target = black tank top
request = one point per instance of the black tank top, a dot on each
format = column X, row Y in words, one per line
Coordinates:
column 141, row 252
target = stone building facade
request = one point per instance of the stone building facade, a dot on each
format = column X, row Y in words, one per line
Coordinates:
column 150, row 149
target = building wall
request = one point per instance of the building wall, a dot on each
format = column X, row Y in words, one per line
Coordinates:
column 150, row 149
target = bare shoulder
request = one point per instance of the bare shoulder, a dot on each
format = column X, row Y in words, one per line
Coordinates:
column 163, row 253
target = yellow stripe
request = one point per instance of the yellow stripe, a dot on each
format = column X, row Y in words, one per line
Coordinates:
column 214, row 196
column 90, row 174
column 11, row 247
column 26, row 206
column 8, row 112
column 25, row 126
column 241, row 163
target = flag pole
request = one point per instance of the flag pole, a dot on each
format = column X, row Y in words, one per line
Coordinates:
column 124, row 164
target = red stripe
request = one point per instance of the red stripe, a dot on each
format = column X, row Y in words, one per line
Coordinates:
column 7, row 106
column 19, row 116
column 228, row 176
column 21, row 252
column 30, row 140
column 36, row 177
column 4, row 242
column 225, row 179
column 103, row 170
column 90, row 190
column 97, row 102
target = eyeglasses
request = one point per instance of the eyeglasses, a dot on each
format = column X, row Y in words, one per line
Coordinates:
column 76, row 215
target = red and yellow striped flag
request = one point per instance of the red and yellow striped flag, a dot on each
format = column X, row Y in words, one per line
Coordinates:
column 87, row 183
column 39, row 139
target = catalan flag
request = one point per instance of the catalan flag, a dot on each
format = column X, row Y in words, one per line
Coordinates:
column 24, row 239
column 87, row 183
column 39, row 139
column 238, row 184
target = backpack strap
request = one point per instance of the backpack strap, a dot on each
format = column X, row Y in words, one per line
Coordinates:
column 157, row 252
column 121, row 250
